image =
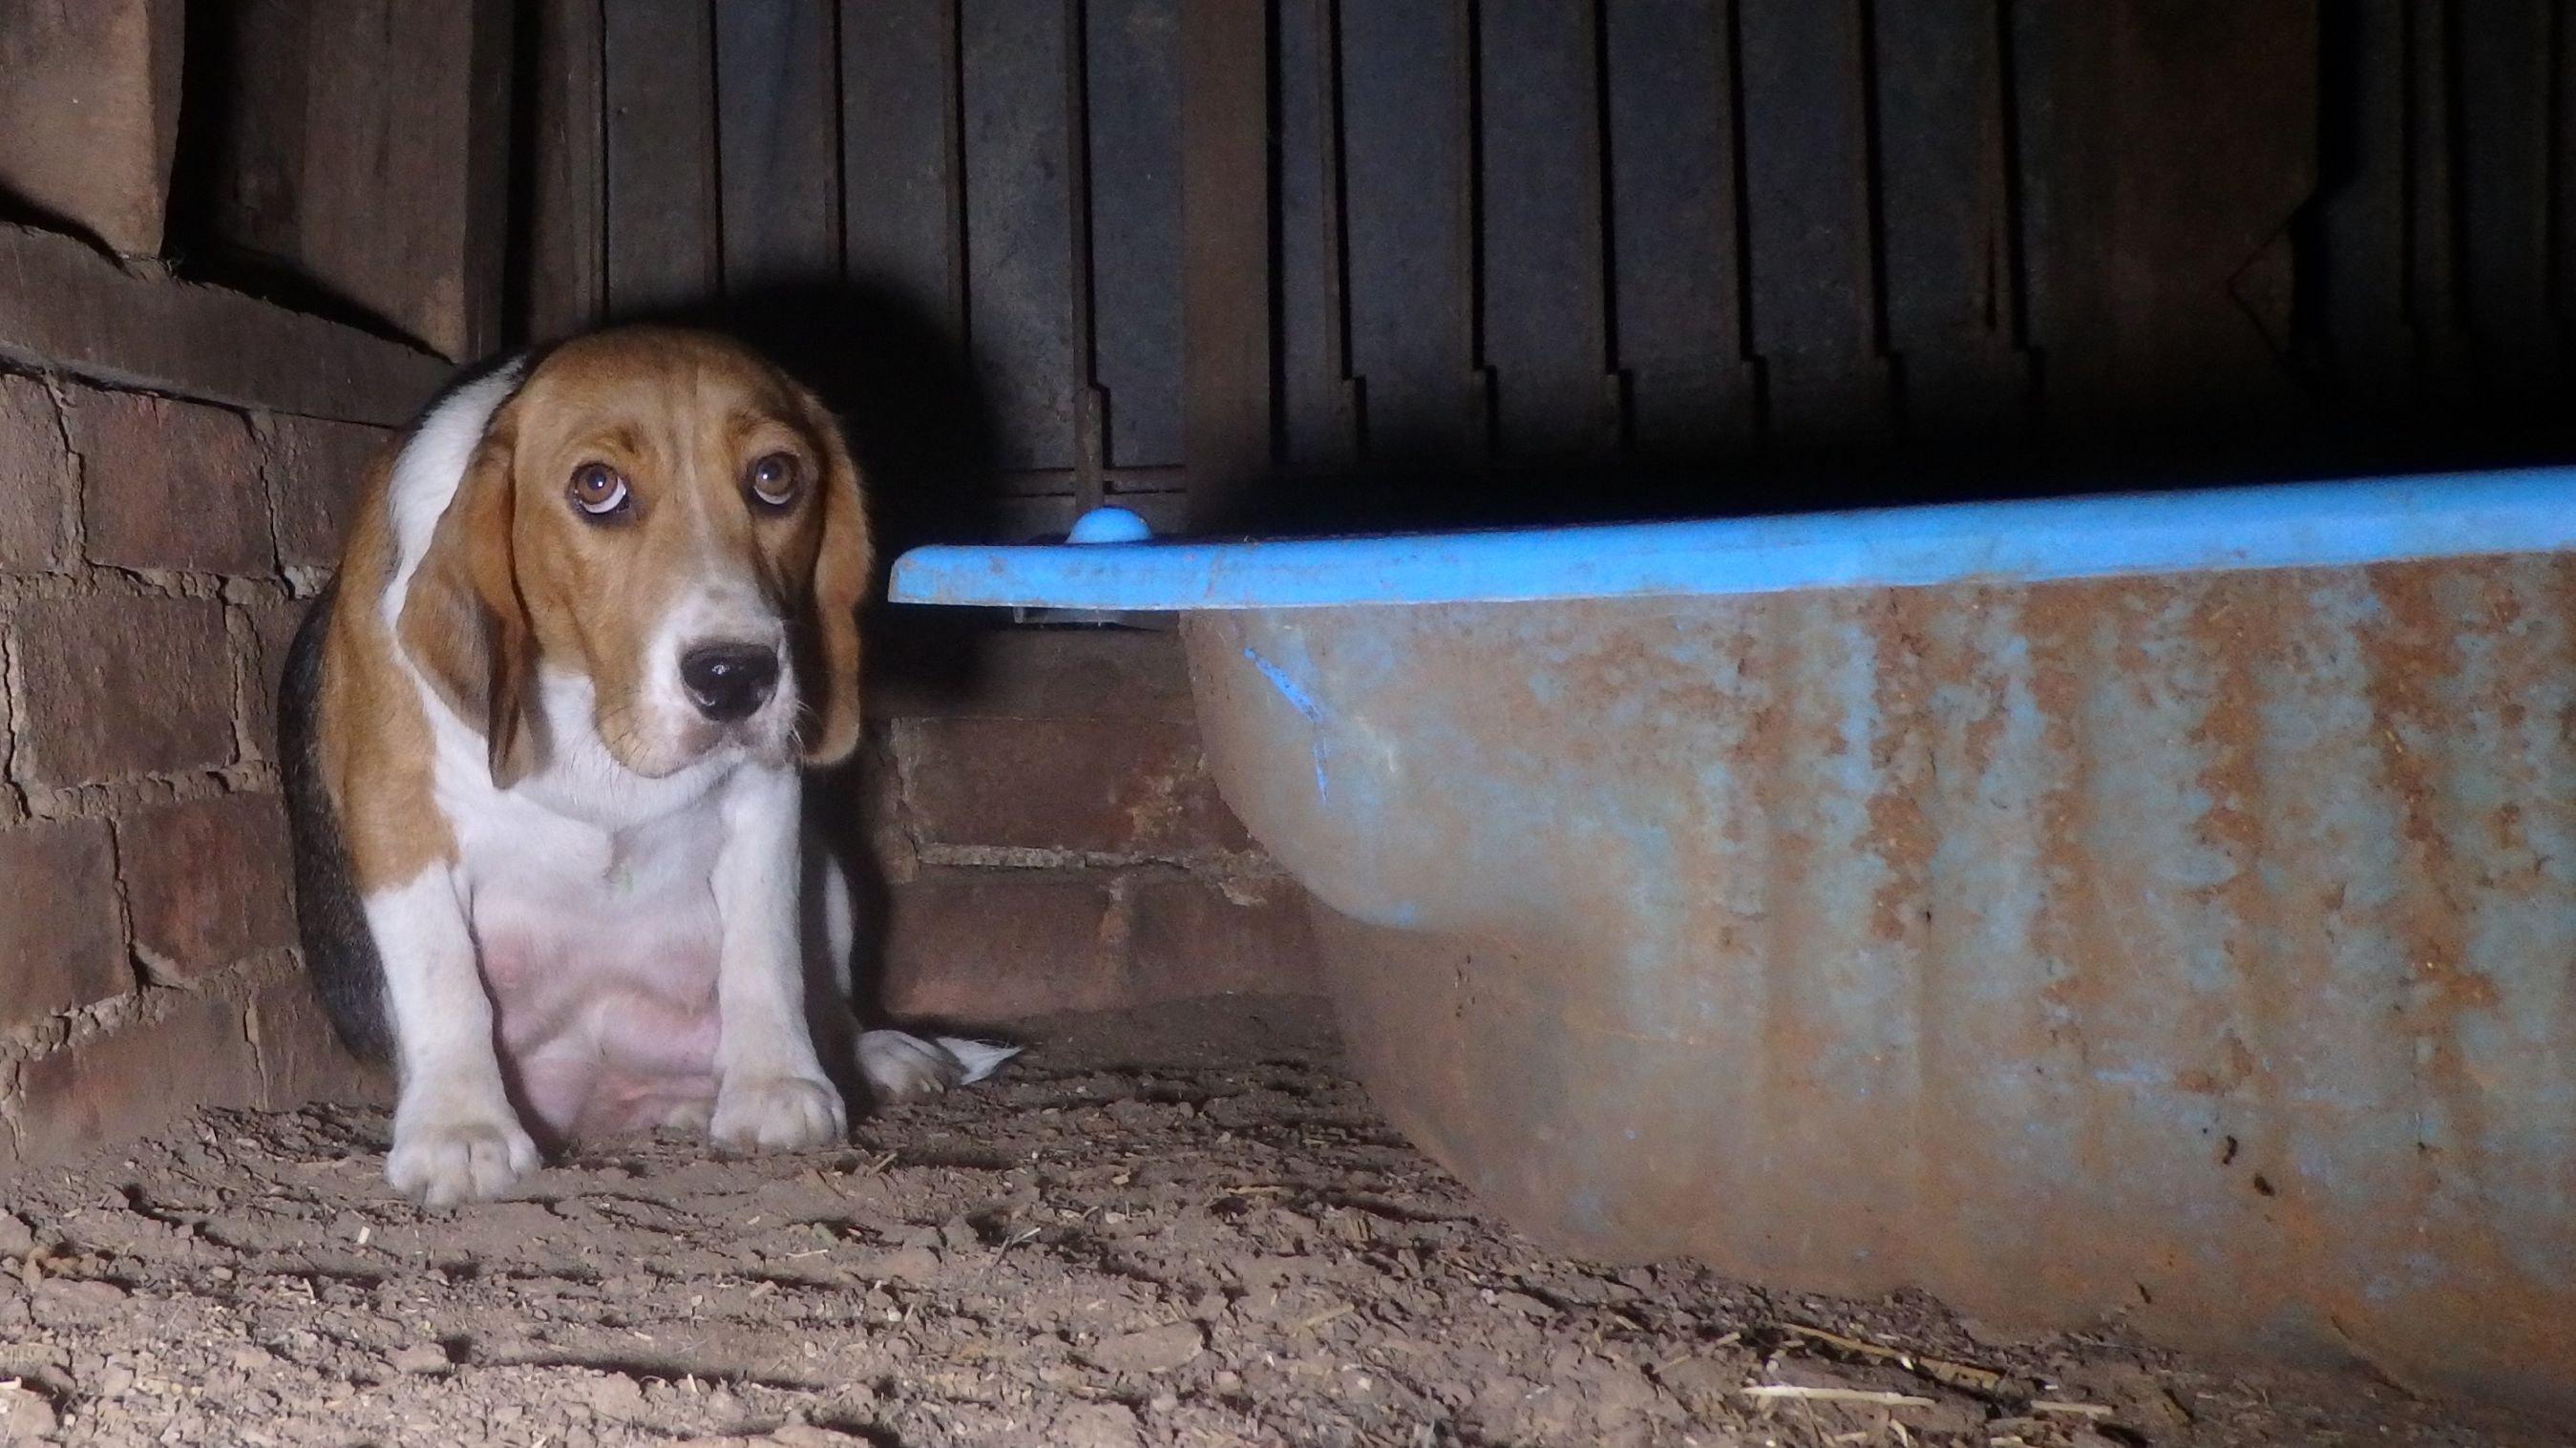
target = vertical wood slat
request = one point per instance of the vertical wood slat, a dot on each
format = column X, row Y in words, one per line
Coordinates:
column 2153, row 281
column 486, row 214
column 902, row 204
column 1541, row 223
column 1951, row 299
column 778, row 193
column 402, row 194
column 1675, row 194
column 1409, row 228
column 567, row 281
column 1133, row 85
column 1225, row 249
column 2431, row 292
column 2361, row 267
column 2562, row 241
column 1019, row 245
column 1090, row 407
column 1316, row 413
column 2504, row 66
column 664, row 238
column 1807, row 170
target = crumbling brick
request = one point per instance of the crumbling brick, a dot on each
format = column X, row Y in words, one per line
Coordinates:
column 300, row 1060
column 208, row 882
column 999, row 944
column 315, row 471
column 1128, row 787
column 36, row 480
column 172, row 485
column 1192, row 938
column 62, row 944
column 273, row 622
column 135, row 1079
column 116, row 686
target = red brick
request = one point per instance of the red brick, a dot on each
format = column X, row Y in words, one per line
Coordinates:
column 272, row 624
column 118, row 686
column 170, row 485
column 1190, row 938
column 300, row 1060
column 115, row 1087
column 989, row 945
column 871, row 792
column 315, row 468
column 934, row 667
column 36, row 480
column 1134, row 787
column 208, row 882
column 61, row 945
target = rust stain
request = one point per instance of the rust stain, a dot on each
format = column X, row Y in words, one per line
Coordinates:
column 1802, row 1041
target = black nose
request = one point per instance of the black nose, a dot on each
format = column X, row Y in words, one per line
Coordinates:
column 729, row 681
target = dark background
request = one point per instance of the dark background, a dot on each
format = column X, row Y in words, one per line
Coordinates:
column 1353, row 262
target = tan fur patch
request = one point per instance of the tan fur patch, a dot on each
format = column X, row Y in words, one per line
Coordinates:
column 374, row 733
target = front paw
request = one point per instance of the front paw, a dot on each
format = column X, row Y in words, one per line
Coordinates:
column 463, row 1156
column 777, row 1113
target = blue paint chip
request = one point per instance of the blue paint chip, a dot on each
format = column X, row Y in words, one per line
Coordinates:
column 1304, row 703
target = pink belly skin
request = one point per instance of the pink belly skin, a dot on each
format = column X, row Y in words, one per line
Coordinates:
column 603, row 1036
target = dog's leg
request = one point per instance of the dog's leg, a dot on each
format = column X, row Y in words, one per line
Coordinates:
column 455, row 1137
column 771, row 1092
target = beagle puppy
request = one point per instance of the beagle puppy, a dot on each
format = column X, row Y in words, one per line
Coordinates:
column 541, row 740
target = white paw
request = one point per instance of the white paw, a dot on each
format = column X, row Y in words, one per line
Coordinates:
column 899, row 1064
column 458, row 1156
column 777, row 1113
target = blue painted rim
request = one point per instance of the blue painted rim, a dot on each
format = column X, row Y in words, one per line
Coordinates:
column 2298, row 525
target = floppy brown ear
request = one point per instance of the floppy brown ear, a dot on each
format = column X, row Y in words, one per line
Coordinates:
column 463, row 621
column 830, row 729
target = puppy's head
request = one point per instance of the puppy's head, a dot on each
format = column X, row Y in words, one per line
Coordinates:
column 665, row 518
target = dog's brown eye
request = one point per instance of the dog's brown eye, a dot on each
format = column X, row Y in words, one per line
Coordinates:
column 597, row 489
column 774, row 479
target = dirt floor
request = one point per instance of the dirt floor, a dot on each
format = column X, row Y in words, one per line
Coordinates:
column 1181, row 1227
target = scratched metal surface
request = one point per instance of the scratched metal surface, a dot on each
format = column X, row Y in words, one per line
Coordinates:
column 2200, row 949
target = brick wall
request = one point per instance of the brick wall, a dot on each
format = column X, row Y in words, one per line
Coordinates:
column 1050, row 839
column 154, row 559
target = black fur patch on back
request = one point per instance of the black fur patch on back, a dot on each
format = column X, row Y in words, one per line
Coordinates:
column 339, row 954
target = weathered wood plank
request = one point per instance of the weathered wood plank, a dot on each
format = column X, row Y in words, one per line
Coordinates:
column 1807, row 170
column 1675, row 192
column 2145, row 301
column 1545, row 319
column 89, row 114
column 1317, row 421
column 1951, row 302
column 901, row 193
column 1134, row 92
column 403, row 194
column 2360, row 272
column 1406, row 174
column 1225, row 229
column 63, row 307
column 662, row 203
column 567, row 276
column 1019, row 241
column 777, row 150
column 2504, row 65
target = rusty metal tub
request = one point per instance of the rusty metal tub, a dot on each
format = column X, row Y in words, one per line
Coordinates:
column 2148, row 906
